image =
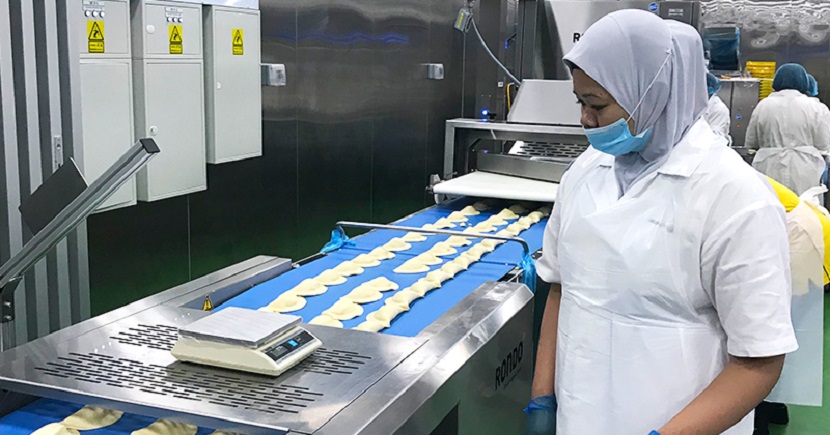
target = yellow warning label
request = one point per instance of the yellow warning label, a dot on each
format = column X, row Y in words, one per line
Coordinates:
column 175, row 32
column 95, row 36
column 207, row 305
column 238, row 42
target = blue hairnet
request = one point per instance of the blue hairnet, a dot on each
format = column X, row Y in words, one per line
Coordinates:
column 813, row 86
column 712, row 84
column 791, row 76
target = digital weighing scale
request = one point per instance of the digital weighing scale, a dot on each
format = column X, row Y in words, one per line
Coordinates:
column 252, row 341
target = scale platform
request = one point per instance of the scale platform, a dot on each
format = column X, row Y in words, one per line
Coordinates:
column 246, row 340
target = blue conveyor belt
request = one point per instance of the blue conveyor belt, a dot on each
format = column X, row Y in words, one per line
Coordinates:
column 424, row 311
column 46, row 411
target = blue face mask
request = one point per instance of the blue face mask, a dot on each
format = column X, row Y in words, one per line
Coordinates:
column 616, row 138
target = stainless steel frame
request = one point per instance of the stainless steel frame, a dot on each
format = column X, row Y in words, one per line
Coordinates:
column 464, row 135
column 358, row 383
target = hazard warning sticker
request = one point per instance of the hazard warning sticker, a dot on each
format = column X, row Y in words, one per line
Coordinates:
column 175, row 32
column 95, row 36
column 238, row 42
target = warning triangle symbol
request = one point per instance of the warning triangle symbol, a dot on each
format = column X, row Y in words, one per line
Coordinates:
column 175, row 36
column 237, row 38
column 95, row 33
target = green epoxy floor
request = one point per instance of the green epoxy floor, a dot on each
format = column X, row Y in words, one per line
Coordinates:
column 805, row 420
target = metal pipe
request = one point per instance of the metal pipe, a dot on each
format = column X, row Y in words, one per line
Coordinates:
column 367, row 226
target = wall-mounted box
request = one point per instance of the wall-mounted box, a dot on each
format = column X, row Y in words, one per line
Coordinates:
column 233, row 91
column 169, row 96
column 106, row 92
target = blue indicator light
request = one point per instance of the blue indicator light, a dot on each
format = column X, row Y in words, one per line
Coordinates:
column 292, row 342
column 485, row 112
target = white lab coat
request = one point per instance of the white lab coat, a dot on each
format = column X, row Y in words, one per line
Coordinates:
column 717, row 115
column 660, row 285
column 791, row 131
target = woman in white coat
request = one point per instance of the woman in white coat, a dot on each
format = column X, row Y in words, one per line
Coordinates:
column 790, row 132
column 668, row 256
column 717, row 114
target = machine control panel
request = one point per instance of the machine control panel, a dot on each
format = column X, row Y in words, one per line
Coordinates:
column 174, row 15
column 291, row 345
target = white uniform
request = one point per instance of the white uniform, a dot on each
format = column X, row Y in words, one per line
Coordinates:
column 790, row 131
column 660, row 285
column 717, row 115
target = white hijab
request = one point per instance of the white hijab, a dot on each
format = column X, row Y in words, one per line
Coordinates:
column 629, row 52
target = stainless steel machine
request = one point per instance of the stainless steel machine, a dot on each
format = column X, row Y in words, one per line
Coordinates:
column 469, row 372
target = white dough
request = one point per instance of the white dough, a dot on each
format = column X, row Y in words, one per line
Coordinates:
column 457, row 217
column 525, row 222
column 382, row 284
column 545, row 210
column 366, row 260
column 483, row 249
column 412, row 266
column 472, row 255
column 496, row 221
column 444, row 223
column 323, row 320
column 457, row 241
column 452, row 268
column 517, row 208
column 381, row 253
column 397, row 244
column 469, row 211
column 491, row 243
column 515, row 229
column 370, row 326
column 484, row 227
column 481, row 206
column 414, row 237
column 536, row 216
column 344, row 309
column 286, row 303
column 363, row 294
column 403, row 298
column 55, row 429
column 438, row 276
column 330, row 277
column 308, row 287
column 92, row 417
column 423, row 286
column 463, row 262
column 167, row 427
column 429, row 227
column 508, row 214
column 442, row 249
column 429, row 259
column 386, row 314
column 347, row 268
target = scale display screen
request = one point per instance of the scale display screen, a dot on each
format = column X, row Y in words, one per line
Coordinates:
column 280, row 350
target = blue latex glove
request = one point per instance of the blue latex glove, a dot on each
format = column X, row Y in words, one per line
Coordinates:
column 541, row 416
column 654, row 432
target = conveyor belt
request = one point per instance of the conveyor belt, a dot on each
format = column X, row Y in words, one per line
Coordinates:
column 47, row 411
column 424, row 311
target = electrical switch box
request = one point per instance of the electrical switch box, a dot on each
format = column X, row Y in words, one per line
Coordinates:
column 168, row 72
column 233, row 91
column 106, row 91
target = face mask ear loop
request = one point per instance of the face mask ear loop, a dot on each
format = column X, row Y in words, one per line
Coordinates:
column 643, row 98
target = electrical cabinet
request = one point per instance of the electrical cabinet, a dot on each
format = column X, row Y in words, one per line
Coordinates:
column 106, row 92
column 232, row 84
column 168, row 71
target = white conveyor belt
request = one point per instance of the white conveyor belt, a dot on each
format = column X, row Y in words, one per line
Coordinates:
column 490, row 185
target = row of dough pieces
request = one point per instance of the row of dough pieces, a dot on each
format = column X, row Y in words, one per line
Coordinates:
column 348, row 307
column 401, row 301
column 93, row 417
